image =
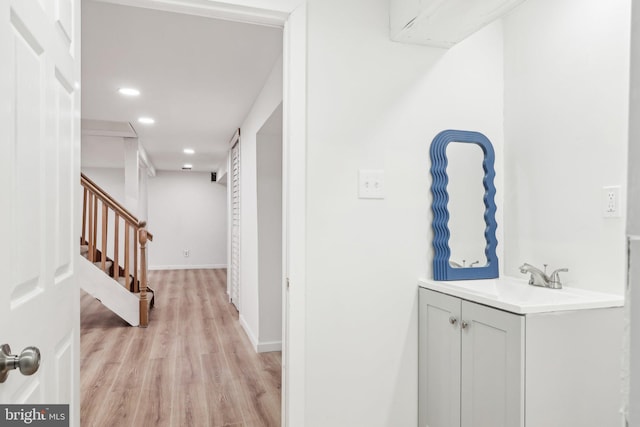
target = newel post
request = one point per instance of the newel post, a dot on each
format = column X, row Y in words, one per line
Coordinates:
column 144, row 307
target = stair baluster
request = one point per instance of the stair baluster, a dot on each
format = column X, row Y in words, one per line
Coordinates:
column 105, row 223
column 136, row 286
column 116, row 247
column 92, row 237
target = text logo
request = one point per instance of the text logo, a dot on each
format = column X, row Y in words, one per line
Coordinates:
column 34, row 415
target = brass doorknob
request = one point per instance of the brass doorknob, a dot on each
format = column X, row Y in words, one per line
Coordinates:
column 27, row 362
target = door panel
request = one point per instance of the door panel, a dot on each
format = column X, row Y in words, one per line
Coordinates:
column 39, row 185
column 439, row 365
column 492, row 367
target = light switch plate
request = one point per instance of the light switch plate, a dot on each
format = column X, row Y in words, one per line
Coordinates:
column 371, row 184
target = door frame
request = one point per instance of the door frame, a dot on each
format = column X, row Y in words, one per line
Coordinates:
column 291, row 16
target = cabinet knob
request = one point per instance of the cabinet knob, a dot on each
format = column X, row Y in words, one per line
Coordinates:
column 464, row 324
column 453, row 320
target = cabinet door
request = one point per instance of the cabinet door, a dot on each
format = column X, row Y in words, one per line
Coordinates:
column 492, row 367
column 439, row 365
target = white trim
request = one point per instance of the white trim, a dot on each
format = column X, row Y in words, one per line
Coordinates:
column 235, row 138
column 269, row 346
column 212, row 9
column 294, row 195
column 259, row 347
column 91, row 127
column 187, row 267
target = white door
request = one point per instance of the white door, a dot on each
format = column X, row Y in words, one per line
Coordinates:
column 439, row 363
column 492, row 367
column 39, row 188
column 235, row 225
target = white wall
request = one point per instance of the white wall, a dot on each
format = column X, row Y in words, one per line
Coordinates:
column 376, row 104
column 269, row 174
column 266, row 102
column 110, row 180
column 187, row 211
column 566, row 115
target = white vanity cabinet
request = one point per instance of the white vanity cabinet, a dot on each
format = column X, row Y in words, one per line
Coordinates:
column 471, row 364
column 481, row 366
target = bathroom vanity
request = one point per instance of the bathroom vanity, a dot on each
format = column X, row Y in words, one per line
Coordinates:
column 501, row 353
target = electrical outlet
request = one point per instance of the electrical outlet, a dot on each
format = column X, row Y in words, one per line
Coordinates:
column 371, row 184
column 186, row 253
column 611, row 202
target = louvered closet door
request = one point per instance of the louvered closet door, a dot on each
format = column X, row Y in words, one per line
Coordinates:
column 235, row 225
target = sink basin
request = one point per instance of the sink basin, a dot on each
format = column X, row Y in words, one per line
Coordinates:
column 517, row 296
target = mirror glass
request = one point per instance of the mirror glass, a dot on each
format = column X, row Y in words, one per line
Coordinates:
column 466, row 205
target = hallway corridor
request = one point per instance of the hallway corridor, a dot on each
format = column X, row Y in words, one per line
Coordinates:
column 193, row 365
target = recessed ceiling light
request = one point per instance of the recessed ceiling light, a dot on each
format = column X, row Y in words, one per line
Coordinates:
column 187, row 166
column 146, row 120
column 188, row 151
column 129, row 91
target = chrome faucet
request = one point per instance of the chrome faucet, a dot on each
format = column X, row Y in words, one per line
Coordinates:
column 540, row 278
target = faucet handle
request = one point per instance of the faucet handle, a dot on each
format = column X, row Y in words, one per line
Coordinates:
column 554, row 279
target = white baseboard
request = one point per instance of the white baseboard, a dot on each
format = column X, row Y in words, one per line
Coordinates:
column 187, row 267
column 266, row 347
column 259, row 347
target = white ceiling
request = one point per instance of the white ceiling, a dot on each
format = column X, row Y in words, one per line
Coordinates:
column 198, row 78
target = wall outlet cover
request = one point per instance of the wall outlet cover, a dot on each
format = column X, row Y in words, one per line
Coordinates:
column 611, row 202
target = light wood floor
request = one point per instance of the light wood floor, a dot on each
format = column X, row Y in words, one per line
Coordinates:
column 193, row 365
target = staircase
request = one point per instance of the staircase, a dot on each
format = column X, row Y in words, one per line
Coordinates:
column 113, row 265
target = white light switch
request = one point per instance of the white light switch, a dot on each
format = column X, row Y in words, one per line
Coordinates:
column 371, row 184
column 611, row 202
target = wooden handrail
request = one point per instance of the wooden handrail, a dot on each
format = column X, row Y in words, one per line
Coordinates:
column 133, row 246
column 109, row 201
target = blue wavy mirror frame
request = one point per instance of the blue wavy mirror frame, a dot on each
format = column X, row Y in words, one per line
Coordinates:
column 442, row 268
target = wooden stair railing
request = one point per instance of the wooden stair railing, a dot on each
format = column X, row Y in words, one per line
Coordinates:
column 132, row 241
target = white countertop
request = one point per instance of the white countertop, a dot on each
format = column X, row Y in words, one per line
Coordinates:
column 517, row 296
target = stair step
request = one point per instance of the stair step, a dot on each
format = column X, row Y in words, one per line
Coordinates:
column 123, row 282
column 107, row 264
column 84, row 250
